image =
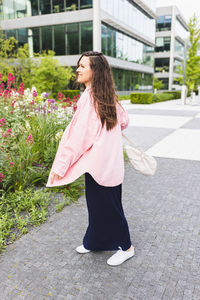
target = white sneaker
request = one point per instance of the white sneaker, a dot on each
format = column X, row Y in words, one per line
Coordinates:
column 81, row 249
column 120, row 256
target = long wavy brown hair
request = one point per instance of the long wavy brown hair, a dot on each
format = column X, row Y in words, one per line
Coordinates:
column 103, row 90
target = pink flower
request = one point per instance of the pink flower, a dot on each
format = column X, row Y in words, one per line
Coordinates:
column 30, row 139
column 35, row 94
column 11, row 163
column 1, row 177
column 9, row 131
column 2, row 122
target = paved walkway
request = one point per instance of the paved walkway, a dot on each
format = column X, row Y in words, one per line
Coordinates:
column 163, row 215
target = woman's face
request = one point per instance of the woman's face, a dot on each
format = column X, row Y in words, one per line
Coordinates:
column 84, row 72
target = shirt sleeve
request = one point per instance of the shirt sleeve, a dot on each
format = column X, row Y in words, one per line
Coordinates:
column 79, row 138
column 123, row 117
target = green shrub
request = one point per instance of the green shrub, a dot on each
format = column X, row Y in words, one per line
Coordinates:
column 162, row 97
column 175, row 94
column 71, row 93
column 123, row 97
column 141, row 98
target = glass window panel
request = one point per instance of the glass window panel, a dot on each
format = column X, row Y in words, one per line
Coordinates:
column 179, row 48
column 163, row 44
column 162, row 64
column 32, row 8
column 163, row 23
column 11, row 33
column 86, row 36
column 119, row 45
column 1, row 10
column 9, row 12
column 34, row 39
column 180, row 30
column 85, row 4
column 71, row 5
column 45, row 7
column 58, row 6
column 72, row 38
column 20, row 8
column 126, row 80
column 104, row 39
column 59, row 39
column 22, row 36
column 46, row 38
column 177, row 65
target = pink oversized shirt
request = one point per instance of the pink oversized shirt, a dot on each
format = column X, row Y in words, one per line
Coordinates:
column 86, row 146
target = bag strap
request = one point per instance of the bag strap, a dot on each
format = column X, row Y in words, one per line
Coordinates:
column 130, row 141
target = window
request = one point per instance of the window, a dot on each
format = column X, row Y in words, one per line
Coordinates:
column 71, row 5
column 85, row 4
column 162, row 65
column 119, row 45
column 45, row 7
column 126, row 80
column 58, row 6
column 59, row 39
column 32, row 7
column 72, row 38
column 86, row 36
column 163, row 23
column 163, row 44
column 179, row 48
column 36, row 39
column 46, row 38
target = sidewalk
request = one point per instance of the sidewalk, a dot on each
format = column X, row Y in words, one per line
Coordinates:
column 163, row 215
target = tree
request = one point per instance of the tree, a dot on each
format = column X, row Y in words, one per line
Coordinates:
column 193, row 62
column 7, row 55
column 48, row 75
column 157, row 84
column 42, row 71
column 192, row 68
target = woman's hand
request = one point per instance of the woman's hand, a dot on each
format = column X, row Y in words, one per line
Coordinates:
column 54, row 176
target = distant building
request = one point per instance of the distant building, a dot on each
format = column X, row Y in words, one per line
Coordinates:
column 171, row 36
column 124, row 30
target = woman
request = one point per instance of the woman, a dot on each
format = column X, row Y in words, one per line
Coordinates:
column 92, row 145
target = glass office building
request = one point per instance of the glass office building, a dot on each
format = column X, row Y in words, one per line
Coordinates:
column 171, row 38
column 123, row 30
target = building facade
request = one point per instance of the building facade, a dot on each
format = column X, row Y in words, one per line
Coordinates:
column 124, row 30
column 171, row 38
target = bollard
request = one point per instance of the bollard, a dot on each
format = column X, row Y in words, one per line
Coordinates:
column 183, row 94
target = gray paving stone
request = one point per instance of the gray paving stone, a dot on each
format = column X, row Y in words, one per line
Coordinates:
column 192, row 124
column 163, row 112
column 163, row 215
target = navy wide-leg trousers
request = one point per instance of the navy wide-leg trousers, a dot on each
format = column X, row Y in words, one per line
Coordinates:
column 108, row 227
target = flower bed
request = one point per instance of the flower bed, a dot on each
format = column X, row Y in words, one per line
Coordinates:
column 31, row 127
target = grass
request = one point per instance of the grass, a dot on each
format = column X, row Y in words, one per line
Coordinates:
column 23, row 209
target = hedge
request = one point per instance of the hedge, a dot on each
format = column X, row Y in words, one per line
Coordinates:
column 141, row 98
column 162, row 97
column 71, row 93
column 175, row 94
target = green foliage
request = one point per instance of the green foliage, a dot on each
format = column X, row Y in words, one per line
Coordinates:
column 193, row 61
column 157, row 84
column 141, row 98
column 20, row 209
column 192, row 72
column 162, row 97
column 71, row 93
column 49, row 76
column 123, row 97
column 175, row 94
column 43, row 71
